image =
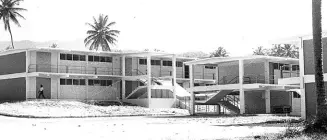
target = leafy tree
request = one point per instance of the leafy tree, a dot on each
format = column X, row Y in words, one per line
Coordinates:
column 101, row 34
column 220, row 52
column 195, row 54
column 320, row 122
column 9, row 12
column 54, row 45
column 260, row 51
column 284, row 50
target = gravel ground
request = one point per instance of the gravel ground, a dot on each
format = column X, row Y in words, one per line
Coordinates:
column 140, row 128
column 52, row 108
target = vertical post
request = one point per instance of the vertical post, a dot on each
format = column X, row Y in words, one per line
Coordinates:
column 26, row 72
column 148, row 64
column 302, row 84
column 266, row 74
column 241, row 75
column 87, row 87
column 174, row 79
column 123, row 92
column 267, row 98
column 217, row 75
column 192, row 104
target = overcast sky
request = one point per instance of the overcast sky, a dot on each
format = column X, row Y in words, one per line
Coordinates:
column 170, row 25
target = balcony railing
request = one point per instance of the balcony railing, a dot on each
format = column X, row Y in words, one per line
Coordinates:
column 74, row 69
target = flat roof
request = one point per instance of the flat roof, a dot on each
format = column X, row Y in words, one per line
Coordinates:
column 114, row 53
column 216, row 60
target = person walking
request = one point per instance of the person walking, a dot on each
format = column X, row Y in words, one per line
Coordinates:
column 41, row 92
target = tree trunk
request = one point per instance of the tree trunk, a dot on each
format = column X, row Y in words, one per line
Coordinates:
column 12, row 41
column 321, row 113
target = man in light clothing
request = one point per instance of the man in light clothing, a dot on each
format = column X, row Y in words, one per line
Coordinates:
column 41, row 92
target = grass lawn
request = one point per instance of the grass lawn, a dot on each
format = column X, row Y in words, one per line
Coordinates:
column 60, row 108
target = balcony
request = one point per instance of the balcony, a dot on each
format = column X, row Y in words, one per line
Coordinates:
column 73, row 69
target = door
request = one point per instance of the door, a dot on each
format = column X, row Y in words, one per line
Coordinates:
column 46, row 83
column 296, row 103
column 186, row 71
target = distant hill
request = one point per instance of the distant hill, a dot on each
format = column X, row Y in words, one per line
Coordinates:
column 74, row 45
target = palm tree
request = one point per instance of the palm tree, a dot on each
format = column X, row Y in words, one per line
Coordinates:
column 291, row 51
column 9, row 12
column 54, row 45
column 320, row 122
column 260, row 51
column 220, row 52
column 101, row 34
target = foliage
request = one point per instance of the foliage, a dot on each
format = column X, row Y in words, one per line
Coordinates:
column 284, row 50
column 9, row 12
column 101, row 34
column 260, row 51
column 54, row 45
column 220, row 52
column 195, row 54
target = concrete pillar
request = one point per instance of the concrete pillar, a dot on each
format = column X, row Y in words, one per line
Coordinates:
column 217, row 75
column 267, row 98
column 267, row 74
column 148, row 64
column 174, row 78
column 241, row 75
column 123, row 89
column 302, row 84
column 192, row 103
column 26, row 72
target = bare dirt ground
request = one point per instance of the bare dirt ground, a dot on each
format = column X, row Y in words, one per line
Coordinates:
column 128, row 128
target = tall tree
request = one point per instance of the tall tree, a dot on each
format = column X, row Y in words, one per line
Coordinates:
column 9, row 12
column 284, row 50
column 220, row 52
column 260, row 51
column 101, row 34
column 320, row 122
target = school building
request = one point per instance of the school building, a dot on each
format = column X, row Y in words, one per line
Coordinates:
column 152, row 79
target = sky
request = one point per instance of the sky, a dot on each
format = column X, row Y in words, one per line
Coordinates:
column 173, row 26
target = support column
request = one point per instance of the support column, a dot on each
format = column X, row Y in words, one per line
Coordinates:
column 267, row 74
column 302, row 84
column 148, row 64
column 192, row 102
column 27, row 81
column 217, row 75
column 241, row 75
column 267, row 98
column 174, row 79
column 123, row 83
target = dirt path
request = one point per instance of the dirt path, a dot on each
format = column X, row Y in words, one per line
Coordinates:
column 137, row 128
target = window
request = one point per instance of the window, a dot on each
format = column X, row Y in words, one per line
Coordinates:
column 91, row 82
column 276, row 66
column 156, row 62
column 75, row 57
column 295, row 67
column 69, row 57
column 167, row 63
column 96, row 82
column 81, row 81
column 179, row 64
column 82, row 57
column 109, row 83
column 102, row 59
column 62, row 81
column 69, row 82
column 286, row 67
column 209, row 67
column 296, row 95
column 91, row 58
column 142, row 61
column 109, row 59
column 96, row 58
column 103, row 83
column 63, row 56
column 75, row 82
